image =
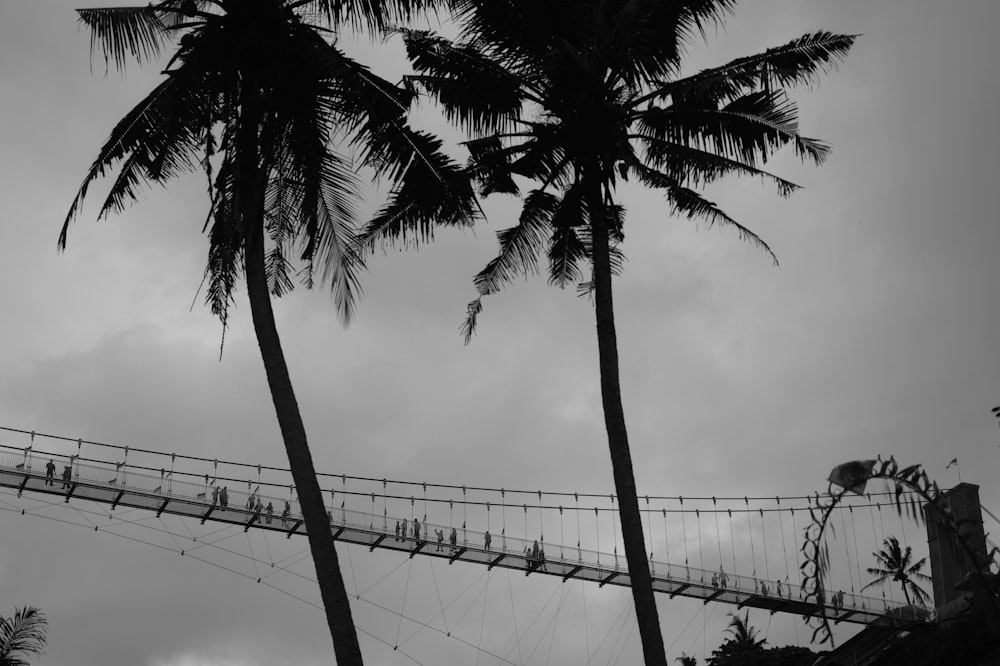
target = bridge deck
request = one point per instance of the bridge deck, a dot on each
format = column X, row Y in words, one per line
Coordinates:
column 111, row 484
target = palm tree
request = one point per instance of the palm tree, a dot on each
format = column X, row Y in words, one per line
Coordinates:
column 572, row 96
column 894, row 563
column 253, row 95
column 22, row 635
column 742, row 646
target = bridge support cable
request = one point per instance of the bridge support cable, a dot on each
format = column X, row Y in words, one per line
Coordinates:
column 701, row 543
column 579, row 552
column 847, row 551
column 666, row 540
column 402, row 607
column 753, row 552
column 649, row 532
column 718, row 536
column 763, row 532
column 732, row 538
column 687, row 571
column 597, row 523
column 784, row 548
column 614, row 530
column 857, row 557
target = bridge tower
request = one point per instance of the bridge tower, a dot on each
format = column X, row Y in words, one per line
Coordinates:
column 950, row 563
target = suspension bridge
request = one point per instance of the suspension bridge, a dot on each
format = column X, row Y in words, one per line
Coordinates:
column 433, row 520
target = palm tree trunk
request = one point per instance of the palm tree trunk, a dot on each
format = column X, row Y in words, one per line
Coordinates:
column 317, row 523
column 614, row 422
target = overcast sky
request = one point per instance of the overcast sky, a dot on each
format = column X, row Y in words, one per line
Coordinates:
column 877, row 335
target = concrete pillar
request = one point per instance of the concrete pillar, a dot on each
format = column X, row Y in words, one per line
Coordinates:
column 951, row 565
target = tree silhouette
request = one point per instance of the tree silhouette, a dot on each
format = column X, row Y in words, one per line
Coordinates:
column 21, row 635
column 742, row 648
column 253, row 95
column 572, row 96
column 896, row 564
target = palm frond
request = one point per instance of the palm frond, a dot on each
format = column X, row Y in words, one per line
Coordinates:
column 693, row 205
column 429, row 189
column 472, row 89
column 645, row 39
column 696, row 168
column 25, row 633
column 121, row 33
column 520, row 246
column 489, row 163
column 375, row 16
column 749, row 128
column 798, row 62
column 567, row 250
column 472, row 311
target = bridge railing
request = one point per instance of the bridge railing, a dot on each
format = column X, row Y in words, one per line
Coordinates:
column 121, row 477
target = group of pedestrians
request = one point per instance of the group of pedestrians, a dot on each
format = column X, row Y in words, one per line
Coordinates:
column 50, row 472
column 408, row 529
column 720, row 580
column 535, row 556
column 220, row 497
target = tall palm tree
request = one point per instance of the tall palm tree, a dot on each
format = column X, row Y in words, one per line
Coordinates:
column 742, row 647
column 895, row 564
column 570, row 96
column 22, row 635
column 254, row 94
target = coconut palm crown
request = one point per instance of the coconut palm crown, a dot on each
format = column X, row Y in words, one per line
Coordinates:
column 565, row 98
column 257, row 95
column 894, row 563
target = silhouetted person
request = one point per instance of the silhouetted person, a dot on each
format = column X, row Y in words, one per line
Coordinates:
column 397, row 530
column 285, row 513
column 486, row 539
column 270, row 511
column 779, row 589
column 534, row 550
column 453, row 539
column 763, row 588
column 404, row 527
column 416, row 529
column 67, row 476
column 215, row 495
column 440, row 539
column 715, row 580
column 224, row 497
column 723, row 578
column 50, row 472
column 541, row 559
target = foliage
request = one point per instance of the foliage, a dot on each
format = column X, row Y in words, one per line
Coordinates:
column 687, row 660
column 259, row 97
column 568, row 98
column 22, row 635
column 272, row 58
column 557, row 94
column 897, row 565
column 742, row 647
